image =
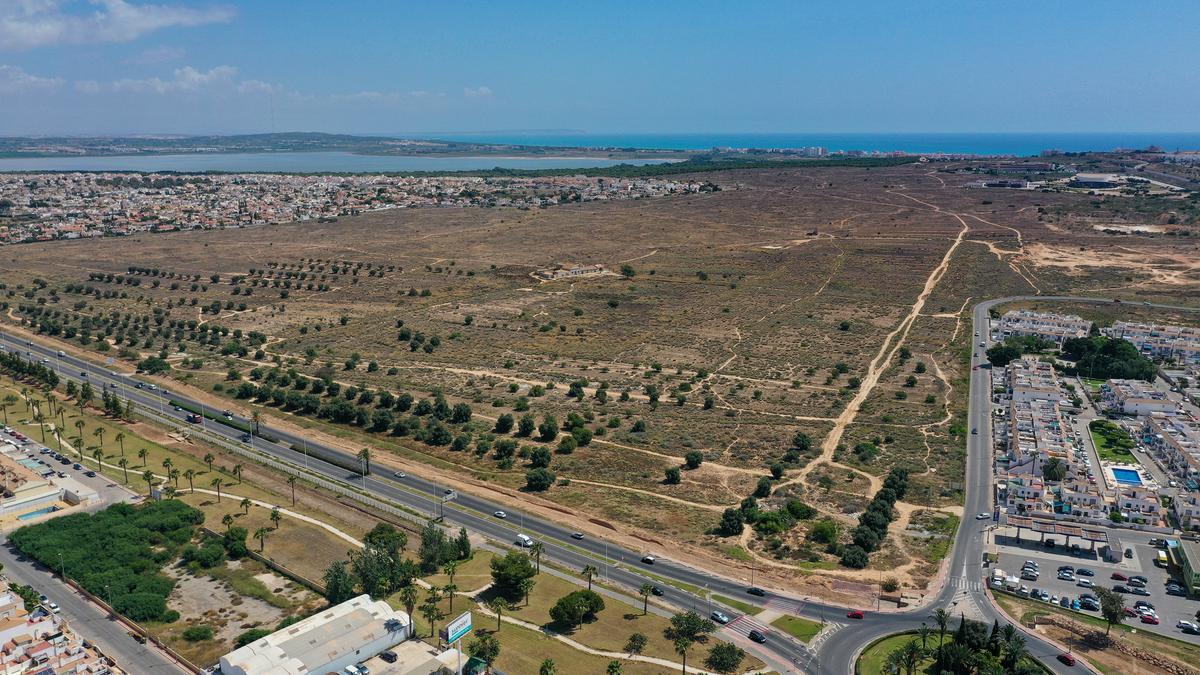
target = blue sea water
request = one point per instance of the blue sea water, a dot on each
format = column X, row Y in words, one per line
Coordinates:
column 1020, row 144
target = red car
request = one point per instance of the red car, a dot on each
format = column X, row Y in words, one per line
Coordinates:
column 854, row 614
column 1128, row 611
column 1117, row 576
column 1147, row 618
column 1066, row 659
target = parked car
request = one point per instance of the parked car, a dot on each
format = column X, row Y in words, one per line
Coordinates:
column 1150, row 619
column 388, row 655
column 1120, row 589
column 1139, row 591
column 1136, row 583
column 1143, row 604
column 1129, row 611
column 1128, row 553
column 1117, row 576
column 1084, row 583
column 1084, row 572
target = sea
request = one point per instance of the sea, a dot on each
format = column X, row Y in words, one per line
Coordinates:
column 1002, row 144
column 1017, row 144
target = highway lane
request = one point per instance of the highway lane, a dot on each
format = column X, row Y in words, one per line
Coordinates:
column 618, row 565
column 963, row 587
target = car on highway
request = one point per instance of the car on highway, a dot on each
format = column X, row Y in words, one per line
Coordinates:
column 719, row 617
column 655, row 590
column 974, row 431
column 447, row 491
column 756, row 636
column 83, row 373
column 245, row 438
column 90, row 474
column 982, row 516
column 648, row 559
column 755, row 590
column 577, row 535
column 400, row 474
column 500, row 514
column 854, row 614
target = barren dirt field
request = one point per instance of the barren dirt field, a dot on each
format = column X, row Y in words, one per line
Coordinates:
column 771, row 328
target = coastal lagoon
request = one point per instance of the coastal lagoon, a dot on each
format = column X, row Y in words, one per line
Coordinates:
column 302, row 162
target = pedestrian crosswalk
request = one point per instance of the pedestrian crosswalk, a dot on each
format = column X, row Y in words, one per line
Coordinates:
column 966, row 584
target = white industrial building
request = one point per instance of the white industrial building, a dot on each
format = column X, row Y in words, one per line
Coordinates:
column 327, row 642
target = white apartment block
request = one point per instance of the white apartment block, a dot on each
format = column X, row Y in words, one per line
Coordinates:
column 1032, row 380
column 1134, row 397
column 1175, row 442
column 1178, row 343
column 1053, row 327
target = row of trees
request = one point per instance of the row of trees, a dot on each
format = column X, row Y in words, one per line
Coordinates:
column 970, row 649
column 873, row 523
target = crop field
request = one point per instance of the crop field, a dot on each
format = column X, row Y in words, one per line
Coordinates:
column 798, row 336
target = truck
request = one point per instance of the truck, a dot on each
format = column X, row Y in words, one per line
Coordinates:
column 193, row 418
column 1161, row 559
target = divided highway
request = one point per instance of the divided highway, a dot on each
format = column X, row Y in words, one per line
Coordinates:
column 963, row 588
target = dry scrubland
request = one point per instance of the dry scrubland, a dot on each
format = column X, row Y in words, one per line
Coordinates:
column 829, row 302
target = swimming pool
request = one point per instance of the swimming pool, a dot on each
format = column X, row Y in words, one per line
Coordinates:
column 1127, row 476
column 39, row 512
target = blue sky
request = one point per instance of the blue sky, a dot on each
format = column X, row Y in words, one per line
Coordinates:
column 174, row 66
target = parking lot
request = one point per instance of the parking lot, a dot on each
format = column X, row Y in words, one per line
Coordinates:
column 1170, row 608
column 60, row 471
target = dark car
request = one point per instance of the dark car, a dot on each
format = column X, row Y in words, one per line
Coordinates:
column 1143, row 603
column 757, row 637
column 1139, row 591
column 1120, row 589
column 1191, row 630
column 655, row 590
column 1084, row 572
column 245, row 438
column 389, row 656
column 755, row 590
column 1117, row 576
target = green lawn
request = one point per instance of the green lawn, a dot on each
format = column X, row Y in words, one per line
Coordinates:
column 870, row 662
column 1112, row 443
column 799, row 628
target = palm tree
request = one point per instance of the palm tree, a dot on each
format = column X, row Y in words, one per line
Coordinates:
column 614, row 668
column 408, row 597
column 942, row 618
column 498, row 606
column 237, row 471
column 208, row 459
column 189, row 475
column 124, row 464
column 548, row 667
column 911, row 655
column 173, row 474
column 216, row 485
column 536, row 551
column 255, row 421
column 167, row 464
column 98, row 455
column 291, row 481
column 169, row 492
column 526, row 586
column 121, row 441
column 8, row 400
column 261, row 535
column 923, row 633
column 142, row 455
column 227, row 520
column 149, row 478
column 79, row 435
column 894, row 663
column 450, row 589
column 246, row 504
column 1012, row 651
column 364, row 456
column 276, row 517
column 99, row 433
column 589, row 571
column 41, row 422
column 682, row 645
column 645, row 592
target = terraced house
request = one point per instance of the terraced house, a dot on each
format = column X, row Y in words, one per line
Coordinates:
column 1180, row 344
column 1055, row 328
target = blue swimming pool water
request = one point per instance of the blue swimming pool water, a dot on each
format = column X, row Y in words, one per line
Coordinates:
column 1127, row 476
column 39, row 512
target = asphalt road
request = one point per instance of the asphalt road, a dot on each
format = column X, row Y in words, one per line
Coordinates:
column 87, row 619
column 620, row 566
column 963, row 590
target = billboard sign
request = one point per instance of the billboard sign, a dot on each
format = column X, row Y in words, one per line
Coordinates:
column 457, row 628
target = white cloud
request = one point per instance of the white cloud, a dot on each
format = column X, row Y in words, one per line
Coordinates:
column 28, row 24
column 477, row 92
column 185, row 79
column 159, row 54
column 14, row 80
column 87, row 86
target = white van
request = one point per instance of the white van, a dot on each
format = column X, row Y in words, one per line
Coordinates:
column 523, row 541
